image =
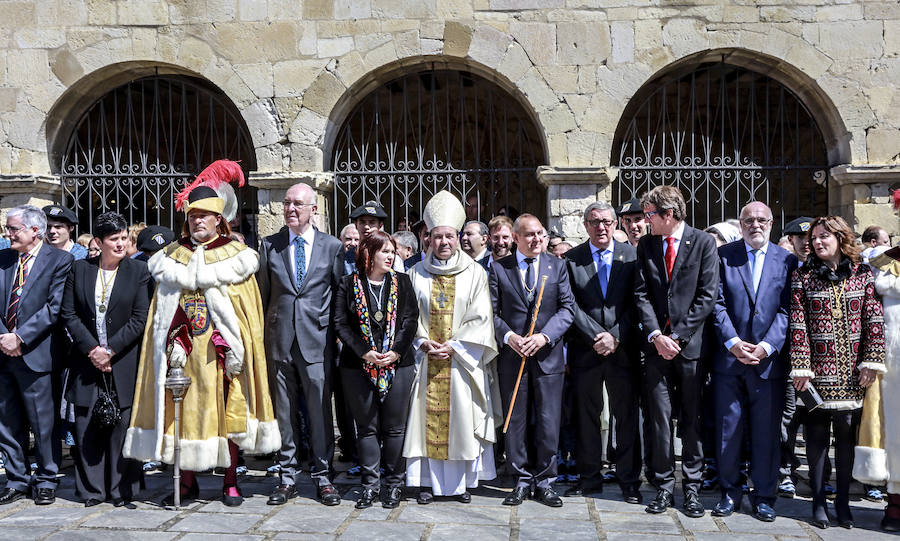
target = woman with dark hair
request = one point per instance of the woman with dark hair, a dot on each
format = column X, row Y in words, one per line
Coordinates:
column 105, row 308
column 375, row 317
column 837, row 344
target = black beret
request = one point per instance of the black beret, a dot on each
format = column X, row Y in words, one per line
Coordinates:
column 632, row 206
column 60, row 214
column 369, row 208
column 800, row 226
column 154, row 237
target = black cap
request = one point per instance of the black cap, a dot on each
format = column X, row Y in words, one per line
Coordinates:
column 632, row 206
column 154, row 237
column 201, row 192
column 61, row 214
column 800, row 226
column 369, row 208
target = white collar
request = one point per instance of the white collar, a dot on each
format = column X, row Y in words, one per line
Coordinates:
column 34, row 251
column 480, row 255
column 309, row 235
column 749, row 248
column 677, row 233
column 594, row 249
column 520, row 257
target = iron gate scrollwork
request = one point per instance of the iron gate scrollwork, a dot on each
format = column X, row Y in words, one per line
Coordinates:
column 725, row 136
column 431, row 131
column 135, row 148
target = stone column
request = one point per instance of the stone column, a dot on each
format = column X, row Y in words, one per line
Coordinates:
column 271, row 188
column 569, row 192
column 861, row 194
column 37, row 190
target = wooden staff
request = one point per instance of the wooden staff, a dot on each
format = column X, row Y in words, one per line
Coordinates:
column 537, row 307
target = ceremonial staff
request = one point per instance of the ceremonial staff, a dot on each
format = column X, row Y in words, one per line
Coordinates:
column 177, row 383
column 537, row 307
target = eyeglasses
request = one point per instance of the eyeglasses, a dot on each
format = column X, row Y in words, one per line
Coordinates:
column 14, row 230
column 597, row 223
column 298, row 204
column 652, row 213
column 752, row 220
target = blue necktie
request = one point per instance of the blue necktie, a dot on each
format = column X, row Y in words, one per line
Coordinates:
column 756, row 268
column 300, row 260
column 602, row 273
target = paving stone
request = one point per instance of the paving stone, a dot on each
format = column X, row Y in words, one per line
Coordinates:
column 99, row 535
column 722, row 536
column 376, row 512
column 613, row 502
column 42, row 516
column 255, row 505
column 216, row 523
column 312, row 519
column 741, row 523
column 706, row 523
column 131, row 519
column 631, row 522
column 557, row 530
column 624, row 536
column 383, row 531
column 220, row 537
column 10, row 533
column 456, row 532
column 569, row 511
column 445, row 512
column 305, row 537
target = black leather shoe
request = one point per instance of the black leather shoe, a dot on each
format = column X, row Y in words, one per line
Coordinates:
column 764, row 512
column 661, row 502
column 548, row 497
column 232, row 501
column 44, row 496
column 581, row 489
column 465, row 497
column 10, row 495
column 188, row 493
column 282, row 494
column 692, row 506
column 575, row 490
column 392, row 498
column 725, row 507
column 632, row 495
column 91, row 502
column 847, row 524
column 517, row 496
column 120, row 502
column 328, row 495
column 819, row 523
column 367, row 498
column 424, row 497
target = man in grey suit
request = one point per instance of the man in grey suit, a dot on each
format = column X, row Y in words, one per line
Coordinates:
column 32, row 280
column 602, row 350
column 515, row 283
column 299, row 268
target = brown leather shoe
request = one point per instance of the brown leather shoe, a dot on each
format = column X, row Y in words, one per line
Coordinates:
column 328, row 495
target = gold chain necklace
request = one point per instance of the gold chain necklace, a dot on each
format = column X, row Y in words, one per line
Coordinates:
column 104, row 285
column 838, row 292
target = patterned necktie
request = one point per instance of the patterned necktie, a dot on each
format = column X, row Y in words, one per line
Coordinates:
column 12, row 312
column 670, row 256
column 756, row 266
column 602, row 272
column 300, row 260
column 530, row 282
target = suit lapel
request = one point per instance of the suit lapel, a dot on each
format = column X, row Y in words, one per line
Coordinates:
column 746, row 274
column 314, row 256
column 285, row 241
column 9, row 275
column 123, row 279
column 617, row 263
column 512, row 271
column 40, row 261
column 657, row 254
column 589, row 271
column 684, row 250
column 768, row 264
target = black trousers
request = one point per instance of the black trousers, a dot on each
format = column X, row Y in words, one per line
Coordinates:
column 672, row 389
column 817, row 430
column 101, row 472
column 380, row 424
column 346, row 426
column 623, row 398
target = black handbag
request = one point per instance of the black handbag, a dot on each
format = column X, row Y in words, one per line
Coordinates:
column 106, row 413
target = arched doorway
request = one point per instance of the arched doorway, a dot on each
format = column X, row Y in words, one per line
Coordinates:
column 725, row 135
column 440, row 129
column 135, row 147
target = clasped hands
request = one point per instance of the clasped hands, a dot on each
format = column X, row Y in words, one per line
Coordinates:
column 436, row 349
column 10, row 344
column 866, row 378
column 605, row 344
column 101, row 359
column 748, row 353
column 380, row 359
column 526, row 346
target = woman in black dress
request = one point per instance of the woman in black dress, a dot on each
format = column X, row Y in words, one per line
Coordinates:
column 104, row 309
column 375, row 317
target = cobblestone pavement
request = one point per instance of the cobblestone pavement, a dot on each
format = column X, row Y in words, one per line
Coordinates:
column 603, row 516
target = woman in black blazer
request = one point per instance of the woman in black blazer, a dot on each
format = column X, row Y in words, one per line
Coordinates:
column 375, row 317
column 104, row 309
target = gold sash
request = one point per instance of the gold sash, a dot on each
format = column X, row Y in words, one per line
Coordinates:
column 437, row 391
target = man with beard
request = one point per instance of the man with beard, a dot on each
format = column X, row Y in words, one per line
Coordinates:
column 501, row 231
column 453, row 411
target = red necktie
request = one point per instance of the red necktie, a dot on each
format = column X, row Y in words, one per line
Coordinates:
column 670, row 256
column 12, row 311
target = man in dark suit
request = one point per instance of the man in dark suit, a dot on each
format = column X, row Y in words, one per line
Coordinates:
column 601, row 272
column 751, row 318
column 32, row 280
column 424, row 236
column 515, row 283
column 474, row 241
column 299, row 268
column 675, row 288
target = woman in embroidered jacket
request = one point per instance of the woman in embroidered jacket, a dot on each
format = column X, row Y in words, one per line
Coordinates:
column 206, row 316
column 375, row 317
column 837, row 343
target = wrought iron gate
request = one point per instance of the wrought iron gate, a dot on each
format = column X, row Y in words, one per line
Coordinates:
column 431, row 131
column 139, row 144
column 725, row 136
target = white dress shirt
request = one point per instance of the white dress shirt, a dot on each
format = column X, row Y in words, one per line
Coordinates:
column 100, row 319
column 523, row 267
column 606, row 255
column 309, row 236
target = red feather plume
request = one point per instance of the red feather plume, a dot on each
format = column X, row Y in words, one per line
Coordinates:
column 217, row 173
column 895, row 195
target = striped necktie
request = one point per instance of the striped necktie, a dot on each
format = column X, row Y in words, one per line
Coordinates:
column 12, row 312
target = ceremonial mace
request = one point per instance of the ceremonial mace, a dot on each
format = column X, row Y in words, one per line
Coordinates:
column 177, row 383
column 537, row 307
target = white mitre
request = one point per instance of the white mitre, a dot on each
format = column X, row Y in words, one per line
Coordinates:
column 444, row 209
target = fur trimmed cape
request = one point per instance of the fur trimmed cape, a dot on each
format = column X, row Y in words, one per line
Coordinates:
column 224, row 272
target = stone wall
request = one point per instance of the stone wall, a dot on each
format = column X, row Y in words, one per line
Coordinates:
column 295, row 67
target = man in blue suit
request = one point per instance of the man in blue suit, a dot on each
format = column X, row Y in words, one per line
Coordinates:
column 751, row 318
